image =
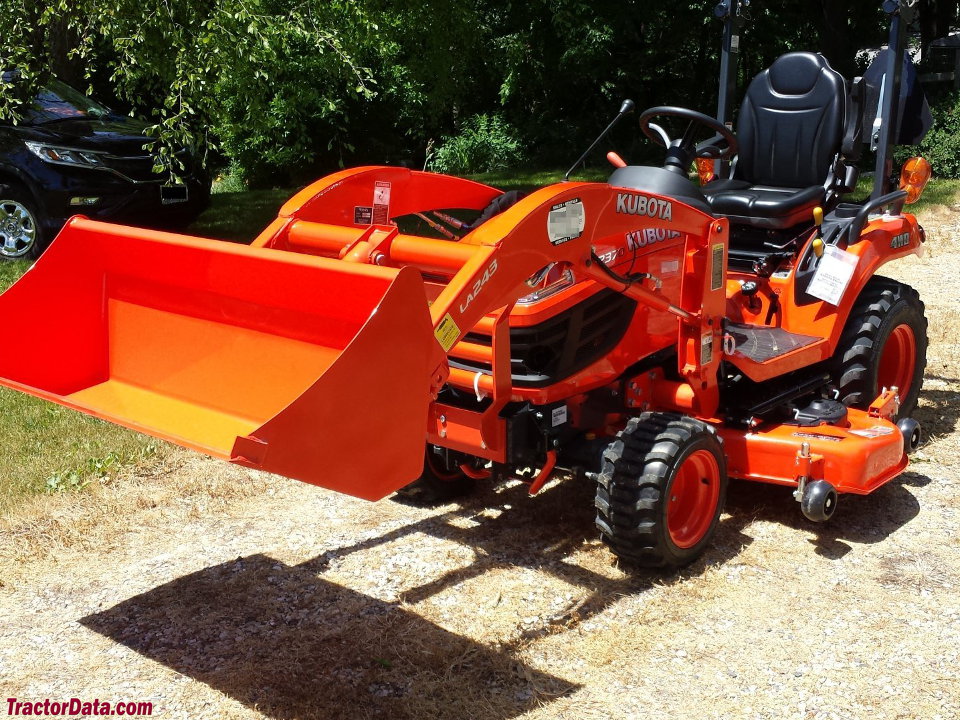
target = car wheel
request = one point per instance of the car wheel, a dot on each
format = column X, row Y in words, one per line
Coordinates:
column 20, row 231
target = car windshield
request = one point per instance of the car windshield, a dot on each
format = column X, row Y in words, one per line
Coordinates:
column 59, row 101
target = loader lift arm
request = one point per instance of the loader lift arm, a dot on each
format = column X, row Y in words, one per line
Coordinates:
column 490, row 266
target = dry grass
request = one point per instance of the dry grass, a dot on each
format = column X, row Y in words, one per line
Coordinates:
column 219, row 593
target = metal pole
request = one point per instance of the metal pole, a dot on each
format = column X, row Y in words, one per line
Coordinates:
column 729, row 55
column 730, row 12
column 889, row 110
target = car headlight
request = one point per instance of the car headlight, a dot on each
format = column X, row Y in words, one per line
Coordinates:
column 66, row 156
column 549, row 281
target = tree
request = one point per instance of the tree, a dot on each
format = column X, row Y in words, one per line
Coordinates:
column 267, row 77
column 292, row 87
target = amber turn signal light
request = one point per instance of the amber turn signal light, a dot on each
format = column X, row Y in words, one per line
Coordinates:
column 705, row 170
column 914, row 178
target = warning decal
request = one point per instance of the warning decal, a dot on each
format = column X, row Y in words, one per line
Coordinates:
column 873, row 432
column 381, row 203
column 716, row 268
column 566, row 221
column 362, row 215
column 447, row 332
column 706, row 349
column 558, row 416
column 818, row 436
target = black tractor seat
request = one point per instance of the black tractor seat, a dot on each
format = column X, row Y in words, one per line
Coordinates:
column 791, row 130
column 761, row 205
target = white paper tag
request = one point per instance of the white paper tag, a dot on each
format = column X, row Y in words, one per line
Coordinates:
column 566, row 221
column 833, row 275
column 558, row 416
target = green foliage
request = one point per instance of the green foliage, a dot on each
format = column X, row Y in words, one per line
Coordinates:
column 486, row 143
column 272, row 80
column 942, row 144
column 98, row 468
column 287, row 89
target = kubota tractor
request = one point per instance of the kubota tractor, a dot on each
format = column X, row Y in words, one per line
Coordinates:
column 649, row 334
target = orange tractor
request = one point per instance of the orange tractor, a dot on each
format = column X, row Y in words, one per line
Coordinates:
column 652, row 335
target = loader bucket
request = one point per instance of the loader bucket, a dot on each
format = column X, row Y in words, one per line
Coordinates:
column 312, row 368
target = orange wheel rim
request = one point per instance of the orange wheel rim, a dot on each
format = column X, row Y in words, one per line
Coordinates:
column 693, row 499
column 898, row 361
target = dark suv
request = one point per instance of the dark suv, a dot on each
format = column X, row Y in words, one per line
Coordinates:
column 71, row 155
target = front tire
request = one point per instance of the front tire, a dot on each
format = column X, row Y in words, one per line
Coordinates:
column 21, row 235
column 436, row 485
column 661, row 490
column 884, row 344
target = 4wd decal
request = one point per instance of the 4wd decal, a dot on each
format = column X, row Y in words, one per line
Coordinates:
column 566, row 221
column 478, row 286
column 630, row 204
column 900, row 241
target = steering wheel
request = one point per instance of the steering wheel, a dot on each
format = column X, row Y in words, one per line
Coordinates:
column 683, row 150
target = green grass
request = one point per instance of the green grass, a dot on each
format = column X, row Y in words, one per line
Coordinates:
column 48, row 448
column 938, row 192
column 240, row 216
column 531, row 179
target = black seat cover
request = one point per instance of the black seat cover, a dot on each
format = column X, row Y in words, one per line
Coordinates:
column 790, row 130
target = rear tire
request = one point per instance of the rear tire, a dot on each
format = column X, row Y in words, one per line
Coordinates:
column 661, row 490
column 21, row 234
column 883, row 344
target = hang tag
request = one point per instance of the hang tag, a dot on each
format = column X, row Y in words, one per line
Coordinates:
column 833, row 275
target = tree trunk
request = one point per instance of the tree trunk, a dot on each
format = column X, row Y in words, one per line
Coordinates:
column 63, row 39
column 836, row 43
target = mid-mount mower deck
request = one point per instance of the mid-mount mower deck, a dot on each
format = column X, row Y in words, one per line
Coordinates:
column 654, row 336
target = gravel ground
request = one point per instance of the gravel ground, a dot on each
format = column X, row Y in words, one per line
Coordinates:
column 214, row 592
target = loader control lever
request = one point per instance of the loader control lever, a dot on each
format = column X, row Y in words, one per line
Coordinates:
column 626, row 108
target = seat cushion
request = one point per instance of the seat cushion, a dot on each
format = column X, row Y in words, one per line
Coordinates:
column 762, row 206
column 790, row 126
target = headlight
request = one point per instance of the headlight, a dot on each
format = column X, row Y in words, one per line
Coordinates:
column 65, row 155
column 549, row 281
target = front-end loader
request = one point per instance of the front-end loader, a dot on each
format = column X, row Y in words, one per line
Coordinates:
column 654, row 336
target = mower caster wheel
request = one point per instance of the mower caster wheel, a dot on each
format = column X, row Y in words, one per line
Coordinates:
column 819, row 501
column 910, row 429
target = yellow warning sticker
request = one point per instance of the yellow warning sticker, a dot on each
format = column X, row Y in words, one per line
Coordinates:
column 716, row 278
column 447, row 332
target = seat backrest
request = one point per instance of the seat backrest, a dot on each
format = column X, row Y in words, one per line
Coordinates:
column 791, row 122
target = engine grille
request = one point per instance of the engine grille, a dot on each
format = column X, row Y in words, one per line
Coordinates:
column 563, row 345
column 139, row 168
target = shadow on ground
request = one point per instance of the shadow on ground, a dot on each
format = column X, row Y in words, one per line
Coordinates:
column 292, row 644
column 860, row 520
column 940, row 412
